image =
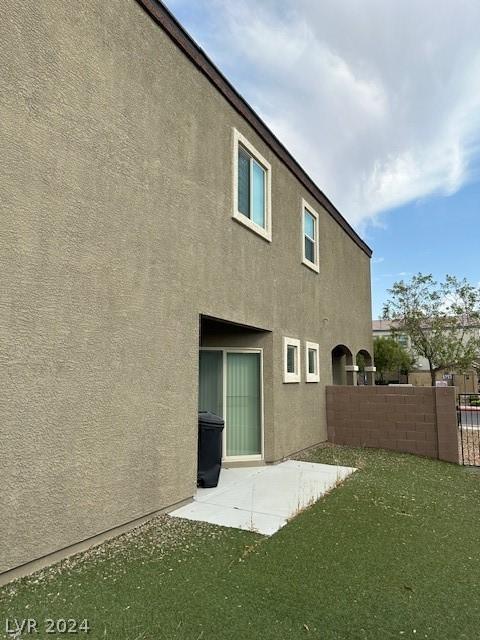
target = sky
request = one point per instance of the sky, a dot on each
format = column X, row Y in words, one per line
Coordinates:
column 379, row 101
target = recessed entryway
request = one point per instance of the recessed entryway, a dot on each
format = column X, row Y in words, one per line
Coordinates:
column 231, row 386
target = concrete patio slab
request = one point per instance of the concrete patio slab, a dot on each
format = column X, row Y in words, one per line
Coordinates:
column 263, row 499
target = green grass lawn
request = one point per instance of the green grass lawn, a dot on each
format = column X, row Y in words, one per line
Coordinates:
column 392, row 553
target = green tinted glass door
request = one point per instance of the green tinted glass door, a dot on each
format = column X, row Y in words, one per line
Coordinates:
column 210, row 396
column 243, row 419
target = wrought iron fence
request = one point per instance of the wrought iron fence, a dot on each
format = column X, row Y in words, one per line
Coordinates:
column 468, row 414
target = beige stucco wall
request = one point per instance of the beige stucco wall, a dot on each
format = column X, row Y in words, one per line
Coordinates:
column 116, row 197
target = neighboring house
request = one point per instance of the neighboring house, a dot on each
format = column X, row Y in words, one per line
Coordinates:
column 420, row 376
column 161, row 252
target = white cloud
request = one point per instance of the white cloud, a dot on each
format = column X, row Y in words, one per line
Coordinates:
column 379, row 101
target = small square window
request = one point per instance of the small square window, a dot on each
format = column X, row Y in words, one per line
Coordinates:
column 312, row 362
column 310, row 253
column 291, row 360
column 252, row 187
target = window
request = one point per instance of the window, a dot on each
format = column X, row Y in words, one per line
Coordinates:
column 310, row 237
column 291, row 360
column 402, row 340
column 312, row 362
column 252, row 187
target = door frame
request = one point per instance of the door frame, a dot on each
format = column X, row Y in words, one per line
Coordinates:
column 225, row 351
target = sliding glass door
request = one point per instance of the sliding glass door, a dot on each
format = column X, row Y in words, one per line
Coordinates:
column 243, row 404
column 210, row 389
column 230, row 385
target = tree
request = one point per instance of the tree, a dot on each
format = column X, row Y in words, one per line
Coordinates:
column 389, row 355
column 361, row 364
column 441, row 319
column 406, row 361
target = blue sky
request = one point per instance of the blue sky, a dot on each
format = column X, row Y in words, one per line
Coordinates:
column 379, row 102
column 437, row 234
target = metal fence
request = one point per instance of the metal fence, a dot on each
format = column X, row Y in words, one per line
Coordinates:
column 468, row 412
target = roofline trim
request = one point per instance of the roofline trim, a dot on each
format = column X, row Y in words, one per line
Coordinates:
column 165, row 19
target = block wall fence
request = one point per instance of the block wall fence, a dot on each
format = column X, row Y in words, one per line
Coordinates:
column 418, row 420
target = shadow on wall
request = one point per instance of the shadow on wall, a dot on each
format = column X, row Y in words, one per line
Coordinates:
column 342, row 359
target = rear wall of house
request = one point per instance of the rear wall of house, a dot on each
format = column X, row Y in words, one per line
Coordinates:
column 116, row 197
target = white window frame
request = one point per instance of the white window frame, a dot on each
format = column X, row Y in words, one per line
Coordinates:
column 315, row 266
column 265, row 232
column 312, row 377
column 225, row 351
column 287, row 375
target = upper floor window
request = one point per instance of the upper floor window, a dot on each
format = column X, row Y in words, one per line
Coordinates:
column 310, row 237
column 402, row 340
column 252, row 187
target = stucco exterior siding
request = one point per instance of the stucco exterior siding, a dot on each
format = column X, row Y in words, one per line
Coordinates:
column 116, row 201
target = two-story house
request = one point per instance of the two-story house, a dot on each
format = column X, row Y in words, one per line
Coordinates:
column 466, row 382
column 161, row 252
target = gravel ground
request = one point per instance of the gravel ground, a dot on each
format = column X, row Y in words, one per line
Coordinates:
column 150, row 541
column 469, row 443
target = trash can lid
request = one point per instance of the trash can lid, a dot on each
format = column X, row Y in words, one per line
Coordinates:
column 207, row 417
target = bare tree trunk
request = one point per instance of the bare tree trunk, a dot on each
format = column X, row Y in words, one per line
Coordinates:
column 433, row 376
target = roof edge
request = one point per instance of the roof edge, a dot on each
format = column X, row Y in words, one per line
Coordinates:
column 167, row 21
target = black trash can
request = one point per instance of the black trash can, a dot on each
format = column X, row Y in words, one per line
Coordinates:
column 210, row 427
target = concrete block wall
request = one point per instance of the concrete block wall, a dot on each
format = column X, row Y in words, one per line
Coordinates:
column 447, row 428
column 418, row 420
